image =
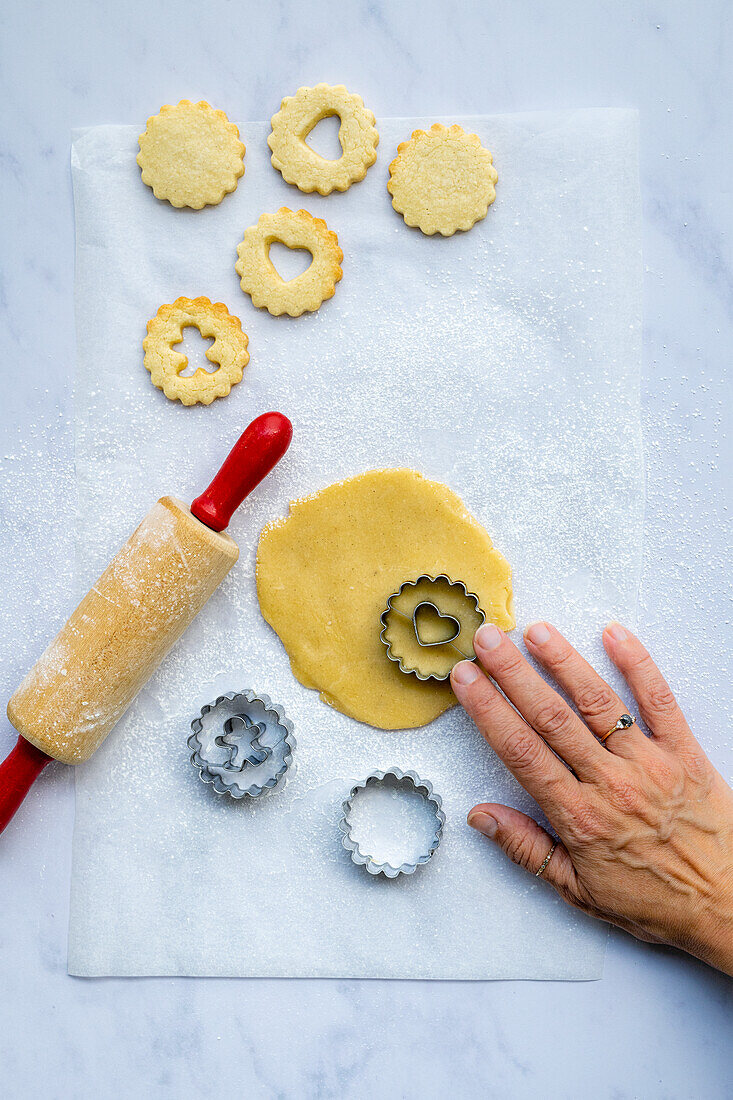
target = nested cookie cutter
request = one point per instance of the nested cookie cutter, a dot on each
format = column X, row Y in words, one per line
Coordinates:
column 242, row 744
column 397, row 780
column 447, row 651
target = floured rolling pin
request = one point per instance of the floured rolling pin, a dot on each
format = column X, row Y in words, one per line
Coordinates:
column 149, row 593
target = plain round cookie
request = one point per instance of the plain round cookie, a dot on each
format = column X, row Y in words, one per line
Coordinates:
column 191, row 155
column 303, row 166
column 165, row 364
column 442, row 180
column 260, row 279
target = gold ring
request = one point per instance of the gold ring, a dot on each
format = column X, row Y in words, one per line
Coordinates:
column 546, row 860
column 625, row 722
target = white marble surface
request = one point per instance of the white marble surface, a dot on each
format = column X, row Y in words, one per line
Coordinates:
column 657, row 1025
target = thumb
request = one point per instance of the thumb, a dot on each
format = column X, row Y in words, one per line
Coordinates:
column 526, row 843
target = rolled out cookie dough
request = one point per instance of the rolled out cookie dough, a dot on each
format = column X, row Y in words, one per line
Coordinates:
column 325, row 572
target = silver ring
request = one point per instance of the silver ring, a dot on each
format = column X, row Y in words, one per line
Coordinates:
column 546, row 860
column 625, row 722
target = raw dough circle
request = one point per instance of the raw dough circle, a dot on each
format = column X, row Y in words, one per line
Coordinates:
column 303, row 166
column 442, row 180
column 229, row 350
column 191, row 155
column 325, row 572
column 259, row 277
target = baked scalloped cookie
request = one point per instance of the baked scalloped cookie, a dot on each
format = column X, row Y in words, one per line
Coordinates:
column 442, row 180
column 260, row 278
column 165, row 364
column 191, row 155
column 301, row 165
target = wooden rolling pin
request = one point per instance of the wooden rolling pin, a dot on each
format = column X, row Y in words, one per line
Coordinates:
column 149, row 593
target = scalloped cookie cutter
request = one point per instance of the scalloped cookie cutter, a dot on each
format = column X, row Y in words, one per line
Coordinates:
column 406, row 842
column 229, row 350
column 242, row 744
column 260, row 278
column 301, row 165
column 428, row 626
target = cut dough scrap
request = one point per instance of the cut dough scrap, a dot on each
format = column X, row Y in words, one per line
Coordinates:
column 442, row 180
column 191, row 155
column 259, row 277
column 165, row 364
column 326, row 571
column 301, row 165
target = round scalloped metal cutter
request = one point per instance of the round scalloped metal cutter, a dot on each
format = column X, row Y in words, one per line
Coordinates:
column 242, row 744
column 392, row 822
column 428, row 626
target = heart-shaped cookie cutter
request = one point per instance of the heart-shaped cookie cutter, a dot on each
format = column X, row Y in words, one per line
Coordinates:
column 242, row 744
column 421, row 640
column 403, row 781
column 457, row 653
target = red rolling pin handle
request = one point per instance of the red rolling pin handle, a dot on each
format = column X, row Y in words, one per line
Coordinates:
column 17, row 773
column 258, row 449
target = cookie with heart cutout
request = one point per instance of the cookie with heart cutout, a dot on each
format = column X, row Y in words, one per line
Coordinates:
column 301, row 165
column 259, row 277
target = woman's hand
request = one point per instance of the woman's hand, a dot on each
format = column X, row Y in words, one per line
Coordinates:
column 645, row 824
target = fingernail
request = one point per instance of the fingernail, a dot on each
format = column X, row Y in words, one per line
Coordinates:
column 537, row 634
column 617, row 632
column 465, row 673
column 483, row 823
column 488, row 636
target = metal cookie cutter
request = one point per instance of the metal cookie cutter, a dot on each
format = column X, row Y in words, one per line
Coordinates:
column 242, row 744
column 388, row 839
column 428, row 626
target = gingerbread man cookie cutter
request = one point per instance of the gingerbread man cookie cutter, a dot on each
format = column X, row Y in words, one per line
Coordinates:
column 260, row 279
column 428, row 626
column 301, row 165
column 242, row 744
column 229, row 350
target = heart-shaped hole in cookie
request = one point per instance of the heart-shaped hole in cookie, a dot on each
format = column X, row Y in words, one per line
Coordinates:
column 432, row 628
column 194, row 346
column 323, row 138
column 289, row 262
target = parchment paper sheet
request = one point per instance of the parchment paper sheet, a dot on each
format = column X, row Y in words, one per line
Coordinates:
column 505, row 362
